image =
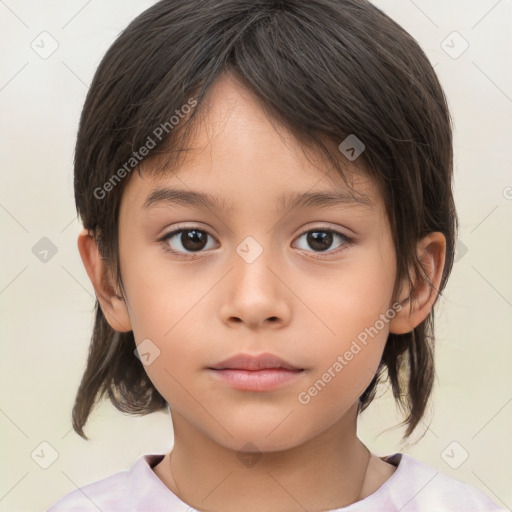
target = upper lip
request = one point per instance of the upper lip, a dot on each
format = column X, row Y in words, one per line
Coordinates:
column 254, row 362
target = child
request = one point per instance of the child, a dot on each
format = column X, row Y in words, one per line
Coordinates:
column 266, row 194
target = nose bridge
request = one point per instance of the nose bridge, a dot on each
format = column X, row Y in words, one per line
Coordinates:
column 252, row 262
column 256, row 293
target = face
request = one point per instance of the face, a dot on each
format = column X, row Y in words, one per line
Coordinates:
column 248, row 276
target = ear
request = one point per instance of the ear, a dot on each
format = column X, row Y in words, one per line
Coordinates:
column 417, row 303
column 113, row 305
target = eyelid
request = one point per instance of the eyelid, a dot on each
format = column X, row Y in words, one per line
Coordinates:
column 185, row 227
column 321, row 228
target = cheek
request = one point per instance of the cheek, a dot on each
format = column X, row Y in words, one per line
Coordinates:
column 159, row 294
column 343, row 372
column 170, row 318
column 352, row 300
column 354, row 306
column 161, row 309
column 177, row 365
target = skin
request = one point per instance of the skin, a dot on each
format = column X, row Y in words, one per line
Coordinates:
column 200, row 310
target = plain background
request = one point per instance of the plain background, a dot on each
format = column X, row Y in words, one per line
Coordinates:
column 47, row 306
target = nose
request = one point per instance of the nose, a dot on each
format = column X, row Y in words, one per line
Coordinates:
column 255, row 293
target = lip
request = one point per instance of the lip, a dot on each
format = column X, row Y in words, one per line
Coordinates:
column 264, row 372
column 257, row 362
column 256, row 380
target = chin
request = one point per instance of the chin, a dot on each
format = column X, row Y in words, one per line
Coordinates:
column 255, row 439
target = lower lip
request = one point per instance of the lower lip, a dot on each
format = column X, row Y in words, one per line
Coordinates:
column 257, row 380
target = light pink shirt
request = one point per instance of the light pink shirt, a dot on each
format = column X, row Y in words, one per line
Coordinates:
column 413, row 487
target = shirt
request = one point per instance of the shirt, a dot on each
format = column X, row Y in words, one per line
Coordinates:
column 413, row 487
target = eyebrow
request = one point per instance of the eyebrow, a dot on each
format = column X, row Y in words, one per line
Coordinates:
column 163, row 196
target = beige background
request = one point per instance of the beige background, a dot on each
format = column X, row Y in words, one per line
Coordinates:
column 47, row 307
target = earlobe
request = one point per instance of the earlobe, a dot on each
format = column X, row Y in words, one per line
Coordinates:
column 113, row 305
column 431, row 252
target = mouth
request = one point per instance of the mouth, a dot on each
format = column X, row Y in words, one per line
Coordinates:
column 248, row 362
column 264, row 372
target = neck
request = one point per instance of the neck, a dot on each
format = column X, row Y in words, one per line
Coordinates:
column 325, row 472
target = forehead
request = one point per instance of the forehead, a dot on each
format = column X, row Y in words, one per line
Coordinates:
column 237, row 154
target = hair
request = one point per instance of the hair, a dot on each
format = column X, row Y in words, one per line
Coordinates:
column 323, row 69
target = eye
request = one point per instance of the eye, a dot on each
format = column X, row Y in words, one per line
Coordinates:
column 194, row 240
column 191, row 239
column 320, row 239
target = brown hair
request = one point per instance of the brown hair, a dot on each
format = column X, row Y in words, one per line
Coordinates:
column 324, row 69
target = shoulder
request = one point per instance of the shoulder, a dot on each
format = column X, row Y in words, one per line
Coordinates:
column 99, row 495
column 418, row 487
column 112, row 494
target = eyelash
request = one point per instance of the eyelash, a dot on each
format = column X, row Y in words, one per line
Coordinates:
column 319, row 255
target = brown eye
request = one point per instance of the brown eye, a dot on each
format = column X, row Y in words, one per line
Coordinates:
column 320, row 240
column 189, row 240
column 193, row 240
